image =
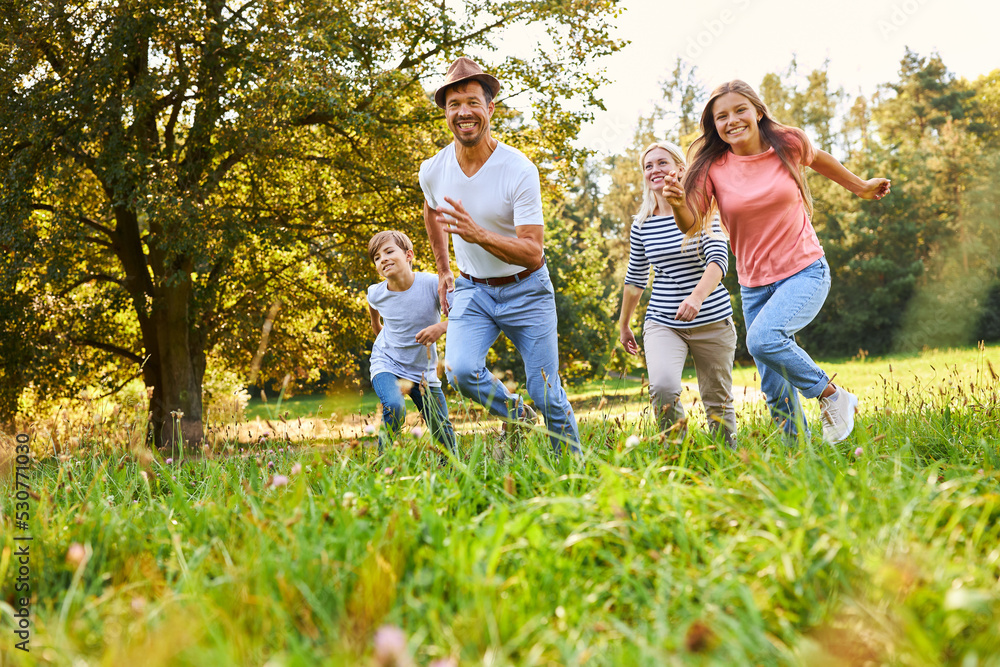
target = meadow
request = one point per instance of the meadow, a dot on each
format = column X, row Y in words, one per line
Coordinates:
column 647, row 550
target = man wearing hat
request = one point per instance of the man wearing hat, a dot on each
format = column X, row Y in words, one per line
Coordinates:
column 487, row 195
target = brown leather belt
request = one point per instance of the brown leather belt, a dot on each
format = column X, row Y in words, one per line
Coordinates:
column 506, row 280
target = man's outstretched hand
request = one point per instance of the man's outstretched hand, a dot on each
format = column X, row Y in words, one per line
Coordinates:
column 456, row 220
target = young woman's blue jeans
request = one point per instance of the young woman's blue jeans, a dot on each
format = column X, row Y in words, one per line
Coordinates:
column 432, row 407
column 526, row 312
column 774, row 314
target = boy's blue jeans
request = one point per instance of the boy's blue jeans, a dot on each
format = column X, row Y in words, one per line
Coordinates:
column 774, row 314
column 432, row 407
column 526, row 312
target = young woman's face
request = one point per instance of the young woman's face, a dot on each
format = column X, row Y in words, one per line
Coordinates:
column 736, row 121
column 656, row 165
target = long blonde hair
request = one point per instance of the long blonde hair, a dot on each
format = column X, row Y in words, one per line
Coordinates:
column 648, row 196
column 709, row 147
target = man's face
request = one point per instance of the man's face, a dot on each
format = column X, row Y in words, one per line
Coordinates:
column 467, row 112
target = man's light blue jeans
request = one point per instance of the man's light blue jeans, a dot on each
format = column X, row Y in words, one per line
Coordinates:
column 526, row 312
column 774, row 314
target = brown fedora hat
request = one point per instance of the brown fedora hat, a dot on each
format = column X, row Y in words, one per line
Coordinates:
column 462, row 70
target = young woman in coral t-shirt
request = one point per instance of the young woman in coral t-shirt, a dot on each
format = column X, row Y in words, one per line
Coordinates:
column 750, row 167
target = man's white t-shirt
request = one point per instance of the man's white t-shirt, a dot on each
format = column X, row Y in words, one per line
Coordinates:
column 505, row 193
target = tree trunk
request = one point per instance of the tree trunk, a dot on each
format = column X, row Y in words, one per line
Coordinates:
column 174, row 350
column 175, row 405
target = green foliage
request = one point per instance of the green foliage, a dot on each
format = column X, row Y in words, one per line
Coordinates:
column 812, row 108
column 585, row 293
column 988, row 326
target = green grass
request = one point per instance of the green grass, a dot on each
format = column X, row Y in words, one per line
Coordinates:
column 641, row 553
column 335, row 405
column 862, row 375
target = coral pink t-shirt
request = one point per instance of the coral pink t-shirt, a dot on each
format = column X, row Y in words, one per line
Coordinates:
column 762, row 209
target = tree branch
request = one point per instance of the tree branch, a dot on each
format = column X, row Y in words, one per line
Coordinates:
column 231, row 160
column 324, row 118
column 89, row 278
column 85, row 160
column 211, row 316
column 80, row 218
column 99, row 241
column 199, row 146
column 17, row 148
column 179, row 98
column 408, row 62
column 55, row 62
column 123, row 384
column 108, row 347
column 239, row 12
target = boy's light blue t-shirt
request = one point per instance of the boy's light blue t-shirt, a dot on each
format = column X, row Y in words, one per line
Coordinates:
column 404, row 314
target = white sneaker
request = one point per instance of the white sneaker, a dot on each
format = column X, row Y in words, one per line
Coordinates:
column 527, row 415
column 837, row 412
column 520, row 424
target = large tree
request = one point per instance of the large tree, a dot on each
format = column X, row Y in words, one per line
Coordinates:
column 173, row 172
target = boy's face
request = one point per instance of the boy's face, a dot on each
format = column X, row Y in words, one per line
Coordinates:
column 392, row 261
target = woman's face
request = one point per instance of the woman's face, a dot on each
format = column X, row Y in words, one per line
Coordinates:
column 736, row 121
column 656, row 164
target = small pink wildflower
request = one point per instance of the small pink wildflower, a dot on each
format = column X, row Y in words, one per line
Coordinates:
column 296, row 469
column 279, row 480
column 859, row 452
column 76, row 554
column 390, row 645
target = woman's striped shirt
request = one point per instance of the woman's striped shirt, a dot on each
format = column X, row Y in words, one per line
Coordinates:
column 676, row 271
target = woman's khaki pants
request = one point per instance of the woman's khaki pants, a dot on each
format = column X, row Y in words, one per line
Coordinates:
column 713, row 347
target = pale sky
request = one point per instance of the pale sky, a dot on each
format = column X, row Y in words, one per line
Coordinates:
column 745, row 39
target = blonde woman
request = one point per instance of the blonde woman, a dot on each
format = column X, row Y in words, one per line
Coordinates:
column 689, row 310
